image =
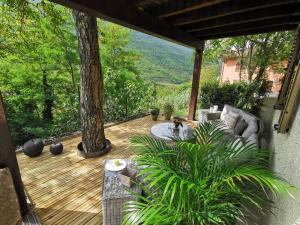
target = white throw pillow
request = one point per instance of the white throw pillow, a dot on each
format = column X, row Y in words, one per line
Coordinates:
column 231, row 119
column 224, row 112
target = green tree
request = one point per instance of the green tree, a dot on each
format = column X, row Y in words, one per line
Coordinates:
column 126, row 93
column 39, row 74
column 37, row 84
column 255, row 52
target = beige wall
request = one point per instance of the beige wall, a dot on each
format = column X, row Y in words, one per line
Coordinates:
column 286, row 162
column 230, row 73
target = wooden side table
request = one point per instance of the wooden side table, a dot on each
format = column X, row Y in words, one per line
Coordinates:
column 114, row 195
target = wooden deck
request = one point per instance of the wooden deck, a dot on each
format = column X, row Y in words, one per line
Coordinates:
column 66, row 188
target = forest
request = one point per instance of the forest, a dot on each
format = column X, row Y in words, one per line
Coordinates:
column 40, row 68
column 40, row 71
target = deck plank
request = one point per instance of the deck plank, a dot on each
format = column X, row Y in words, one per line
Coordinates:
column 66, row 189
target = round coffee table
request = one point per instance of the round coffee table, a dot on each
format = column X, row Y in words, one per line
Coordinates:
column 164, row 131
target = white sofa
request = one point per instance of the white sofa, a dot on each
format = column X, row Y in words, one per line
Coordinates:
column 254, row 126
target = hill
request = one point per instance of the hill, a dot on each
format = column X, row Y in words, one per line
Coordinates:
column 162, row 61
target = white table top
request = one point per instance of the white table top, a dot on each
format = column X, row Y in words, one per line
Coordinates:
column 165, row 131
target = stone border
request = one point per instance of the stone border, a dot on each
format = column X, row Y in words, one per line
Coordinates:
column 86, row 155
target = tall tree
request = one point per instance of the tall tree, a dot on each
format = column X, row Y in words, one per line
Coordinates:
column 91, row 83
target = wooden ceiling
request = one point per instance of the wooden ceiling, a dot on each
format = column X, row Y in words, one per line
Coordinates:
column 190, row 22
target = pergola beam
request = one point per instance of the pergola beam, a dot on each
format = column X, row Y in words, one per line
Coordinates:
column 175, row 7
column 249, row 26
column 121, row 12
column 226, row 9
column 242, row 32
column 141, row 2
column 242, row 18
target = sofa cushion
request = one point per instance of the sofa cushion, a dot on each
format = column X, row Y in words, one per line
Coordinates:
column 240, row 126
column 231, row 119
column 224, row 112
column 252, row 128
column 230, row 131
column 253, row 139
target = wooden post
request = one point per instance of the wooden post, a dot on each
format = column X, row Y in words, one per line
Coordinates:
column 8, row 158
column 195, row 83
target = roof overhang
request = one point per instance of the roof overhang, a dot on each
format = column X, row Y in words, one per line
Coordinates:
column 191, row 22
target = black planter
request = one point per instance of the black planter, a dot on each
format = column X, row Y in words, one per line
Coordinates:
column 154, row 117
column 107, row 147
column 56, row 148
column 33, row 148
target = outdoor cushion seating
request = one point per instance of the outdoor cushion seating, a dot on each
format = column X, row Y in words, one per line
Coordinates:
column 239, row 123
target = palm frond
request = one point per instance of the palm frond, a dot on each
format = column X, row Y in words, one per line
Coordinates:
column 210, row 181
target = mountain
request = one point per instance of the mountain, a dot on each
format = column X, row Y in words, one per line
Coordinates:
column 162, row 61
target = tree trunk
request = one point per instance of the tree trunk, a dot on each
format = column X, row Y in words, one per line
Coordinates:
column 242, row 59
column 49, row 100
column 250, row 68
column 264, row 55
column 91, row 83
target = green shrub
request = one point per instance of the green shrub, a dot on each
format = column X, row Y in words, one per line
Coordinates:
column 241, row 95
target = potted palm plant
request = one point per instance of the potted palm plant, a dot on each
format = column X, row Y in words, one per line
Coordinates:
column 212, row 180
column 168, row 110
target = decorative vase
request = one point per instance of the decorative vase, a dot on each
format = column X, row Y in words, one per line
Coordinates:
column 56, row 148
column 33, row 147
column 215, row 108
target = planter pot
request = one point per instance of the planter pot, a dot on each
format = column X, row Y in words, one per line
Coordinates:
column 33, row 148
column 107, row 147
column 154, row 117
column 168, row 116
column 56, row 148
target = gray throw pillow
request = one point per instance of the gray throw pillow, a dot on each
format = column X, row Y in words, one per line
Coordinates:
column 240, row 126
column 251, row 128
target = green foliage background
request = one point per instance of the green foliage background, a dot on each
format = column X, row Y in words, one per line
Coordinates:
column 162, row 61
column 38, row 42
column 39, row 69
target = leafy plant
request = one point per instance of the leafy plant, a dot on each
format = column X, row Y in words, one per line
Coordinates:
column 39, row 71
column 168, row 108
column 241, row 95
column 211, row 180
